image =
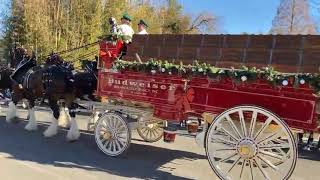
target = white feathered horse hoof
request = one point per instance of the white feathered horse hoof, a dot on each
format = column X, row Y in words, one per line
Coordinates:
column 52, row 129
column 73, row 133
column 31, row 127
column 11, row 113
column 72, row 137
column 32, row 123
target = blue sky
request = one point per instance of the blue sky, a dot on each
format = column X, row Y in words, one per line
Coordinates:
column 237, row 16
column 2, row 9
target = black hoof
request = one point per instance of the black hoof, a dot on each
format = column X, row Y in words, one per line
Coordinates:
column 72, row 141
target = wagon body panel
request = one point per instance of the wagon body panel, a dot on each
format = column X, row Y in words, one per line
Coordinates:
column 173, row 96
column 296, row 108
column 156, row 90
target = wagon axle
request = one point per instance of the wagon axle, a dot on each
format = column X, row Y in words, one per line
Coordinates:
column 247, row 149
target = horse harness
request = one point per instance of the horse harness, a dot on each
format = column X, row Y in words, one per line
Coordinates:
column 28, row 75
column 57, row 70
column 24, row 65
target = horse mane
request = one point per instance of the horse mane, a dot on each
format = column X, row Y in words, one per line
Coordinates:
column 18, row 54
column 54, row 59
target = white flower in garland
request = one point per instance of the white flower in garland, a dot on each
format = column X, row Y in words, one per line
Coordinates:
column 170, row 72
column 153, row 71
column 285, row 82
column 302, row 81
column 193, row 69
column 163, row 70
column 200, row 70
column 244, row 78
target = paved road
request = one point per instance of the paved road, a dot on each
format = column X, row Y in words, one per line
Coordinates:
column 28, row 156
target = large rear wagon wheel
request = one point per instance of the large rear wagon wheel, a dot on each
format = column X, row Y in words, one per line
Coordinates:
column 249, row 142
column 112, row 134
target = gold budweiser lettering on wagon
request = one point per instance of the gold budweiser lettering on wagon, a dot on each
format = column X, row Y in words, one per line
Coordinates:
column 125, row 83
column 141, row 84
column 133, row 83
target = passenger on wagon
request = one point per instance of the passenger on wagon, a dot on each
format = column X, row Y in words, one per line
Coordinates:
column 125, row 28
column 114, row 26
column 142, row 25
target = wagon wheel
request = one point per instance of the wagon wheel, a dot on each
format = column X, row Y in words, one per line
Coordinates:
column 248, row 142
column 151, row 132
column 112, row 134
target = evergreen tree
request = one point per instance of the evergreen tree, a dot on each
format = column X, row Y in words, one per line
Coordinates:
column 1, row 52
column 15, row 28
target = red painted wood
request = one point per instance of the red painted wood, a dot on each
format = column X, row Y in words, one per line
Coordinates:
column 172, row 99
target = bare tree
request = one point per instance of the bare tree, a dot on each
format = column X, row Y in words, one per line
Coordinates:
column 204, row 23
column 293, row 17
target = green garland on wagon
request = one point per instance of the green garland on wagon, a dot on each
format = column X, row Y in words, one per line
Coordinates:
column 244, row 74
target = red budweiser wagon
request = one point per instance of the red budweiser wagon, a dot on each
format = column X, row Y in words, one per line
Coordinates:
column 248, row 122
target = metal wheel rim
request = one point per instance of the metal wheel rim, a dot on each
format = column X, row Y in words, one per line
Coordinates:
column 267, row 157
column 151, row 134
column 118, row 129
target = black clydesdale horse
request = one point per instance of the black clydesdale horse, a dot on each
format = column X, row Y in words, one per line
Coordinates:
column 5, row 81
column 53, row 81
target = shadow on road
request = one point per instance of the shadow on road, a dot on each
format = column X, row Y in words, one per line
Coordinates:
column 140, row 161
column 313, row 155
